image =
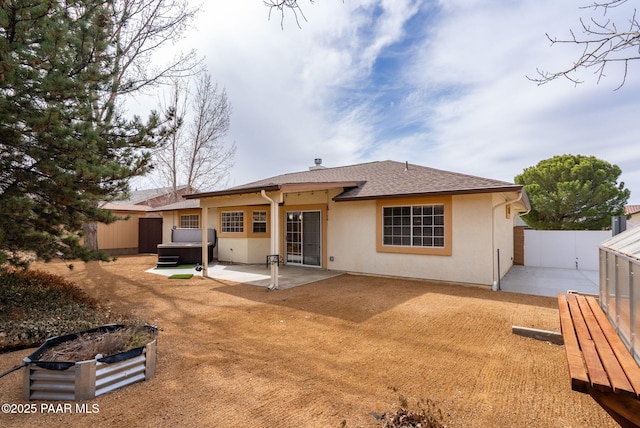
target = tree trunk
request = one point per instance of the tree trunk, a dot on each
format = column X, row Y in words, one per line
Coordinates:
column 91, row 236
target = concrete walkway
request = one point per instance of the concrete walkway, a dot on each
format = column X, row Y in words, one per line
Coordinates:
column 542, row 281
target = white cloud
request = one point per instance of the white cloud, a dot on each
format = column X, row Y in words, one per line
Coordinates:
column 437, row 83
column 495, row 122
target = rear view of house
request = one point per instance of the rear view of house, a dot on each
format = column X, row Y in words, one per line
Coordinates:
column 383, row 218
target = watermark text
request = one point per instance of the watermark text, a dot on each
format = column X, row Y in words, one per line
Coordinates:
column 70, row 408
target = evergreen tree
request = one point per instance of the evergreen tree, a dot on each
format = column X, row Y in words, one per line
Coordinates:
column 57, row 158
column 573, row 192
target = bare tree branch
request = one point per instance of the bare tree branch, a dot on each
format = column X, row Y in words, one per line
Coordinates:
column 603, row 44
column 194, row 153
column 208, row 162
column 281, row 6
column 167, row 154
column 140, row 29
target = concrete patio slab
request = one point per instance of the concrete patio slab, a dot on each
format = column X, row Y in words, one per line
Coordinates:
column 543, row 281
column 539, row 281
column 259, row 275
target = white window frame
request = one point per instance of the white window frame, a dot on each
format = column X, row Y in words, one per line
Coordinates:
column 232, row 221
column 189, row 221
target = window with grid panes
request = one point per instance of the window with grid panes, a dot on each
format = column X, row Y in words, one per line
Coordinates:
column 232, row 221
column 190, row 221
column 259, row 220
column 413, row 226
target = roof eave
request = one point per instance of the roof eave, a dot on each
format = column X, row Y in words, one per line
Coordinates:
column 340, row 198
column 285, row 187
column 230, row 192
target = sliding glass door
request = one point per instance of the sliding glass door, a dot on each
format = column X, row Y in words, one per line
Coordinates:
column 304, row 238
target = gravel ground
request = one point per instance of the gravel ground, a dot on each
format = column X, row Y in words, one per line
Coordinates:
column 326, row 354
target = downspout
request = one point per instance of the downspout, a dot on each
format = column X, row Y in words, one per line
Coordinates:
column 496, row 282
column 275, row 242
column 204, row 223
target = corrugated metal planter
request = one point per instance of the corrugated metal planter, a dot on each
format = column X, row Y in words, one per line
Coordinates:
column 84, row 380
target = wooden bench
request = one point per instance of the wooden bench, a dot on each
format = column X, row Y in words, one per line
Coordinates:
column 599, row 363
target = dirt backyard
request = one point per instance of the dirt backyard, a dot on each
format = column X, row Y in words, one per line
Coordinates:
column 326, row 354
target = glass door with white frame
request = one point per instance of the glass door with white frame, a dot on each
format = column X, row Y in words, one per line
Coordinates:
column 304, row 238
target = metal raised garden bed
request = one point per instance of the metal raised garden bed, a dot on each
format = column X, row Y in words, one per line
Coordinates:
column 84, row 380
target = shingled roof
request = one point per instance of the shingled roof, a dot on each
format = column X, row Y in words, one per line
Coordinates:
column 632, row 209
column 374, row 180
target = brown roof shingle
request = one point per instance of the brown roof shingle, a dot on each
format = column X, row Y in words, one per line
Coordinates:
column 378, row 179
column 632, row 209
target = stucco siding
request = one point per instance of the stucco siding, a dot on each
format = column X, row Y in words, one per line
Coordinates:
column 504, row 223
column 351, row 236
column 171, row 219
column 472, row 259
column 233, row 250
column 477, row 226
column 257, row 250
column 168, row 221
column 243, row 250
column 352, row 243
column 306, row 198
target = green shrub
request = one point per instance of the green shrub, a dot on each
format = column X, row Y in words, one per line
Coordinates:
column 36, row 305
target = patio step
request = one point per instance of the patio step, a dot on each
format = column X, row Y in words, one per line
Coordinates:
column 168, row 261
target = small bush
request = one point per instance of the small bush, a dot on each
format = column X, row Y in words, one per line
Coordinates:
column 36, row 305
column 426, row 415
column 87, row 345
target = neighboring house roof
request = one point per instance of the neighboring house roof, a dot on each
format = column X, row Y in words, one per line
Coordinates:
column 124, row 207
column 376, row 180
column 181, row 205
column 632, row 209
column 152, row 197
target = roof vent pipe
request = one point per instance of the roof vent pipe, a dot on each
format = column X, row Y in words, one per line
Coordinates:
column 318, row 164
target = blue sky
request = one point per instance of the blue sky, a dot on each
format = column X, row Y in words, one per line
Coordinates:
column 437, row 83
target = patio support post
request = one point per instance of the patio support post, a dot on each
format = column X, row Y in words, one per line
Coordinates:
column 275, row 242
column 205, row 239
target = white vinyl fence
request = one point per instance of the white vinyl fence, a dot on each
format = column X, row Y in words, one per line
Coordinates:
column 568, row 249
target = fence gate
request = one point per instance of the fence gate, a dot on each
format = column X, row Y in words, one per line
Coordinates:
column 518, row 245
column 149, row 234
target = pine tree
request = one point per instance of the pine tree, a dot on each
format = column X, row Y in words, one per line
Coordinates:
column 573, row 192
column 57, row 157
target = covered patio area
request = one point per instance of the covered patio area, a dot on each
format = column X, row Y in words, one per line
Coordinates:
column 253, row 274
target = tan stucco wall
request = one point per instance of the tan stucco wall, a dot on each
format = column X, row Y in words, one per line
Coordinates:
column 504, row 218
column 236, row 250
column 480, row 226
column 243, row 250
column 308, row 198
column 171, row 219
column 233, row 250
column 352, row 243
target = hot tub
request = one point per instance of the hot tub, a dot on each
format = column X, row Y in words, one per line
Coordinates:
column 186, row 247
